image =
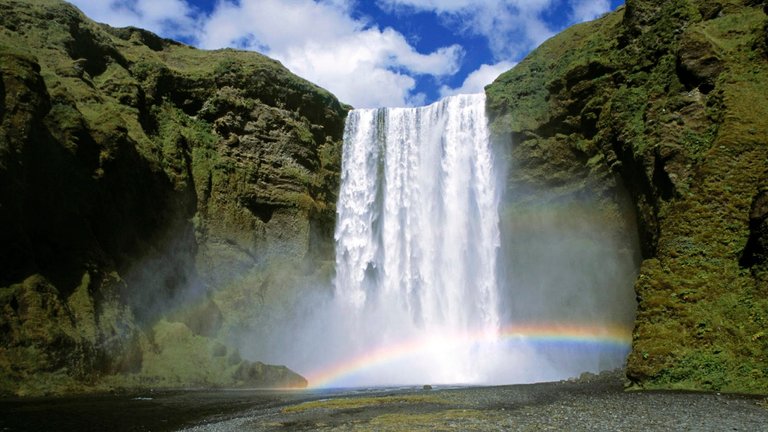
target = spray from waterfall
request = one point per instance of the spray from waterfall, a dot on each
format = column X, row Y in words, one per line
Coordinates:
column 418, row 296
column 418, row 228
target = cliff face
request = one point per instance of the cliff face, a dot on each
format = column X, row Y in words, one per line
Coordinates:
column 668, row 100
column 156, row 200
column 145, row 188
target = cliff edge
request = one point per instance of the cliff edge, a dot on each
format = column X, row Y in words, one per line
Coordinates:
column 146, row 188
column 666, row 99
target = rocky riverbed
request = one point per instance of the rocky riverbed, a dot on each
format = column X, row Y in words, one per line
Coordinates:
column 592, row 404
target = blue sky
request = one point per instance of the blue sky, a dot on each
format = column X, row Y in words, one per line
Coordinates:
column 369, row 53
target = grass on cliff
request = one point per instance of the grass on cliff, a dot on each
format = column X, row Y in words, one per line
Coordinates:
column 720, row 307
column 521, row 95
column 139, row 115
column 692, row 151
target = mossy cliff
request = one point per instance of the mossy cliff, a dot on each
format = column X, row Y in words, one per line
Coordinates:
column 145, row 188
column 157, row 200
column 668, row 100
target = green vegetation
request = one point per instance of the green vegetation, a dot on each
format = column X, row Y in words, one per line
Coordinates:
column 390, row 413
column 363, row 402
column 142, row 183
column 668, row 97
column 147, row 188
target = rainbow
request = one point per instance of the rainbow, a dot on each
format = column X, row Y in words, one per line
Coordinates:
column 606, row 337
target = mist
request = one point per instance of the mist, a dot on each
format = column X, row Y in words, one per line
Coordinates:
column 571, row 261
column 518, row 285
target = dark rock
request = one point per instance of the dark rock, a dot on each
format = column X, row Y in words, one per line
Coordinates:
column 698, row 64
column 756, row 250
column 710, row 9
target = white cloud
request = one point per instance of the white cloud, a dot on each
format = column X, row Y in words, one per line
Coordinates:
column 319, row 40
column 478, row 79
column 512, row 27
column 170, row 18
column 586, row 10
column 364, row 66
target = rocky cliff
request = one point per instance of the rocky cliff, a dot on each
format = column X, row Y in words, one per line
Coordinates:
column 156, row 201
column 666, row 99
column 146, row 188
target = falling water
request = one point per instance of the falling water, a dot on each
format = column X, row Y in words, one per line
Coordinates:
column 418, row 298
column 418, row 227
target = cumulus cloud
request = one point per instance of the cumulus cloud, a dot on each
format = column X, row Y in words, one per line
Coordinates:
column 512, row 27
column 586, row 10
column 363, row 65
column 324, row 41
column 170, row 18
column 478, row 79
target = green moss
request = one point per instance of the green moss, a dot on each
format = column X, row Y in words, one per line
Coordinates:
column 180, row 357
column 680, row 120
column 158, row 149
column 629, row 106
column 518, row 98
column 363, row 402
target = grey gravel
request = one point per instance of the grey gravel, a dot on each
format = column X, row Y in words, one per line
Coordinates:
column 600, row 404
column 591, row 404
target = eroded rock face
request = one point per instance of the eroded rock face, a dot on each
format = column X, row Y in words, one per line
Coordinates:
column 145, row 188
column 666, row 98
column 756, row 250
column 698, row 62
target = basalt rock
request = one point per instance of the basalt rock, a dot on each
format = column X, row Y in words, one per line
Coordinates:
column 667, row 100
column 145, row 188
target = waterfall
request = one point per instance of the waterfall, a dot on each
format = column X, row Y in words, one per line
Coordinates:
column 417, row 296
column 418, row 227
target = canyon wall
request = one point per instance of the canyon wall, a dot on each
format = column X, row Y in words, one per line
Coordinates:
column 158, row 201
column 663, row 104
column 153, row 197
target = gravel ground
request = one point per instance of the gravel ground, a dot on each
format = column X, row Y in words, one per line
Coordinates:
column 597, row 404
